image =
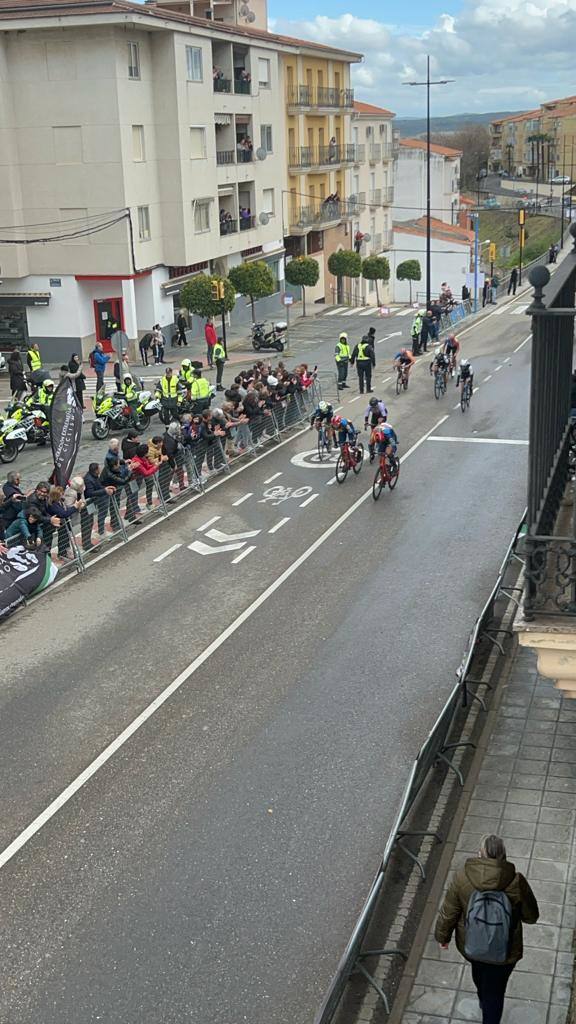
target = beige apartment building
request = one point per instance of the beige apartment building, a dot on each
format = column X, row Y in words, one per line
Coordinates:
column 375, row 145
column 141, row 145
column 536, row 143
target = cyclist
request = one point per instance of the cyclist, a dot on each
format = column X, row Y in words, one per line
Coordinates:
column 323, row 413
column 440, row 362
column 375, row 413
column 465, row 373
column 386, row 442
column 451, row 350
column 404, row 360
column 346, row 431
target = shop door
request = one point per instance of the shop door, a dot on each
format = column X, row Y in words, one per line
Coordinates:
column 108, row 317
column 13, row 328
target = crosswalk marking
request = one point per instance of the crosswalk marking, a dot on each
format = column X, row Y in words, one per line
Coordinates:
column 355, row 311
column 371, row 311
column 405, row 312
column 333, row 312
column 518, row 310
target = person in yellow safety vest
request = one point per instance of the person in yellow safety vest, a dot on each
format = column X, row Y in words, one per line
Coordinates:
column 130, row 394
column 364, row 358
column 168, row 392
column 200, row 392
column 186, row 375
column 45, row 394
column 219, row 357
column 342, row 353
column 33, row 358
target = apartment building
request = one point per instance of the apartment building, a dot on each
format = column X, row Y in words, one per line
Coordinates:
column 410, row 181
column 319, row 105
column 143, row 145
column 537, row 143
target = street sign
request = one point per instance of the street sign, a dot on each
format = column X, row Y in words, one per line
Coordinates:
column 287, row 299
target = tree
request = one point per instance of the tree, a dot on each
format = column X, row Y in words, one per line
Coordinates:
column 474, row 142
column 376, row 268
column 344, row 263
column 410, row 271
column 305, row 271
column 255, row 280
column 196, row 296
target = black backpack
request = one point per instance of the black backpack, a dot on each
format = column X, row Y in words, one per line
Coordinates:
column 488, row 927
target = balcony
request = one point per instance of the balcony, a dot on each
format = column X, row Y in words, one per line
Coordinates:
column 247, row 221
column 320, row 215
column 310, row 97
column 222, row 84
column 387, row 195
column 375, row 245
column 374, row 152
column 387, row 150
column 242, row 86
column 225, row 156
column 387, row 240
column 395, row 143
column 228, row 225
column 305, row 158
column 375, row 197
column 359, row 154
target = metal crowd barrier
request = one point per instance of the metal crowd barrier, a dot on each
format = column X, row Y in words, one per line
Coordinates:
column 107, row 518
column 436, row 747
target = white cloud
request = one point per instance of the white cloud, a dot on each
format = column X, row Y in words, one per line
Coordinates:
column 502, row 55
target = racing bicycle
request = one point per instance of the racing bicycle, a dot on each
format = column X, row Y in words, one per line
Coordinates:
column 351, row 457
column 325, row 441
column 465, row 394
column 387, row 473
column 402, row 378
column 440, row 383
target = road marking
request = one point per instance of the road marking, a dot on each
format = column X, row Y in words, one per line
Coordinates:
column 371, row 311
column 206, row 549
column 498, row 368
column 475, row 390
column 406, row 312
column 200, row 529
column 279, row 525
column 478, row 440
column 456, row 406
column 242, row 499
column 507, row 360
column 519, row 310
column 386, row 379
column 486, row 379
column 522, row 343
column 357, row 399
column 333, row 312
column 330, row 482
column 239, row 558
column 273, row 477
column 166, row 553
column 69, row 791
column 396, row 334
column 355, row 311
column 225, row 538
column 308, row 500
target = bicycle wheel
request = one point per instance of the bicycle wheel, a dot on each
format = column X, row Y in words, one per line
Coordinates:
column 464, row 400
column 358, row 456
column 394, row 474
column 398, row 383
column 437, row 387
column 405, row 379
column 377, row 485
column 341, row 469
column 321, row 444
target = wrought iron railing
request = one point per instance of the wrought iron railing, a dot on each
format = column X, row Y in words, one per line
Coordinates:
column 222, row 85
column 387, row 195
column 319, row 214
column 242, row 86
column 320, row 96
column 374, row 151
column 305, row 157
column 359, row 153
column 228, row 226
column 375, row 197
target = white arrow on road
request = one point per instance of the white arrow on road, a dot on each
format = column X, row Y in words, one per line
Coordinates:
column 206, row 549
column 225, row 538
column 388, row 336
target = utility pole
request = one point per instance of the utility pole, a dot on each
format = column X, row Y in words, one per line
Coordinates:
column 428, row 83
column 521, row 222
column 476, row 217
column 563, row 193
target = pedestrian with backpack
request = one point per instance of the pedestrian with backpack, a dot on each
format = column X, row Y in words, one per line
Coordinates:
column 486, row 904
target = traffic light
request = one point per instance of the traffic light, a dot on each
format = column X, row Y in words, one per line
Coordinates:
column 215, row 291
column 492, row 252
column 522, row 216
column 221, row 290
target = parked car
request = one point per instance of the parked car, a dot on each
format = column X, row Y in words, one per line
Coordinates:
column 491, row 203
column 560, row 179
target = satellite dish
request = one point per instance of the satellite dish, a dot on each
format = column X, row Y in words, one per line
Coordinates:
column 244, row 10
column 251, row 17
column 366, row 237
column 261, row 153
column 264, row 218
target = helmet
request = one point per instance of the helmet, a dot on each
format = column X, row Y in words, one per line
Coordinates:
column 343, row 336
column 336, row 421
column 323, row 406
column 438, row 351
column 128, row 376
column 373, row 401
column 186, row 364
column 48, row 383
column 464, row 362
column 343, row 422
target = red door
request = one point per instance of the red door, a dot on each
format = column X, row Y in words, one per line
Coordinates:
column 108, row 317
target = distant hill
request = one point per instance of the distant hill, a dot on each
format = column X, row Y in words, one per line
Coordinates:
column 409, row 126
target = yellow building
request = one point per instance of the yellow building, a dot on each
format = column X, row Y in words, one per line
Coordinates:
column 320, row 153
column 536, row 143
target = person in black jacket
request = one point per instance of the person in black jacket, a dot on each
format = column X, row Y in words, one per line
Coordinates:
column 172, row 448
column 11, row 502
column 99, row 494
column 39, row 500
column 365, row 359
column 17, row 378
column 75, row 370
column 130, row 443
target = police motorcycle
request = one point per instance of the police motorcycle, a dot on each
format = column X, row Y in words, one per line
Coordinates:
column 273, row 338
column 114, row 413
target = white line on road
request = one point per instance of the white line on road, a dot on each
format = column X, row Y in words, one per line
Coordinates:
column 66, row 795
column 279, row 525
column 371, row 311
column 518, row 310
column 507, row 360
column 498, row 368
column 200, row 529
column 477, row 440
column 396, row 334
column 354, row 312
column 522, row 343
column 456, row 406
column 475, row 390
column 406, row 312
column 166, row 553
column 241, row 500
column 386, row 379
column 357, row 399
column 273, row 477
column 486, row 379
column 332, row 481
column 333, row 312
column 243, row 554
column 308, row 500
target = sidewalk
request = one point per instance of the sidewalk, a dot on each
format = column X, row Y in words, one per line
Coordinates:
column 525, row 792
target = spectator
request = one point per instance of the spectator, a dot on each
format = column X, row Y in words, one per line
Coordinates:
column 57, row 507
column 332, row 149
column 513, row 283
column 211, row 339
column 485, row 290
column 130, row 444
column 26, row 529
column 100, row 360
column 144, row 346
column 17, row 378
column 494, row 283
column 144, row 469
column 465, row 293
column 158, row 344
column 39, row 501
column 182, row 325
column 95, row 491
column 172, row 449
column 12, row 500
column 76, row 373
column 489, row 872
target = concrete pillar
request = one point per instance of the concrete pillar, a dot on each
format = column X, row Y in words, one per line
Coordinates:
column 556, row 653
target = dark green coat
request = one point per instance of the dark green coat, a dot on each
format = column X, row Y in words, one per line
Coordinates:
column 485, row 874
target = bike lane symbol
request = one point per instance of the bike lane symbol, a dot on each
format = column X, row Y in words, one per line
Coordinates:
column 277, row 495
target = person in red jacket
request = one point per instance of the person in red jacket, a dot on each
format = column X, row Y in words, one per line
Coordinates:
column 143, row 469
column 211, row 339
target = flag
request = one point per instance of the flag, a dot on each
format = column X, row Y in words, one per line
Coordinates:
column 65, row 430
column 22, row 574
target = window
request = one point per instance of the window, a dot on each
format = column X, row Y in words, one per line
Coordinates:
column 268, row 201
column 263, row 73
column 369, row 132
column 144, row 223
column 201, row 215
column 197, row 143
column 138, row 152
column 266, row 137
column 133, row 60
column 194, row 63
column 67, row 144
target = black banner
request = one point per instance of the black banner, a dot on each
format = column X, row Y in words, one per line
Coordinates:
column 23, row 573
column 66, row 430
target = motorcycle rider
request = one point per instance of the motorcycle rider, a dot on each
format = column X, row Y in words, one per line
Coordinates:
column 200, row 392
column 45, row 395
column 186, row 375
column 128, row 389
column 168, row 393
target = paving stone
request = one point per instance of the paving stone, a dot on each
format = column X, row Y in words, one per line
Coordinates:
column 563, row 801
column 569, row 917
column 553, row 833
column 495, row 778
column 486, row 791
column 539, row 724
column 521, row 1011
column 529, row 986
column 538, row 961
column 559, row 769
column 550, row 913
column 566, row 940
column 564, row 740
column 561, row 990
column 514, row 710
column 566, row 728
column 531, row 767
column 543, row 715
column 548, row 870
column 518, row 847
column 518, row 829
column 466, row 1007
column 431, row 1000
column 480, row 823
column 485, row 808
column 520, row 812
column 551, row 851
column 570, row 895
column 524, row 796
column 532, row 782
column 557, row 816
column 500, row 748
column 560, row 784
column 557, row 1015
column 545, row 936
column 433, row 951
column 549, row 892
column 435, row 974
column 564, row 754
column 564, row 964
column 533, row 753
column 466, row 983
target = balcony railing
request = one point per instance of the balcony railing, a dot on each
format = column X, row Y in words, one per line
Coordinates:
column 228, row 227
column 375, row 197
column 305, row 157
column 387, row 150
column 387, row 195
column 359, row 154
column 242, row 86
column 387, row 240
column 222, row 85
column 374, row 152
column 244, row 156
column 376, row 244
column 224, row 156
column 320, row 96
column 247, row 222
column 321, row 214
column 395, row 143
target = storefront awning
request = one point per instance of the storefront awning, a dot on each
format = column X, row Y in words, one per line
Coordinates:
column 12, row 299
column 222, row 119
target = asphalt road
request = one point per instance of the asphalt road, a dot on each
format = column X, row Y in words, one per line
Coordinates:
column 210, row 868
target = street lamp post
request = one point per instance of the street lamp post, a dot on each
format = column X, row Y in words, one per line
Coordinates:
column 428, row 83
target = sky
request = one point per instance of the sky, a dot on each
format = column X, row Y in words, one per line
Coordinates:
column 503, row 54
